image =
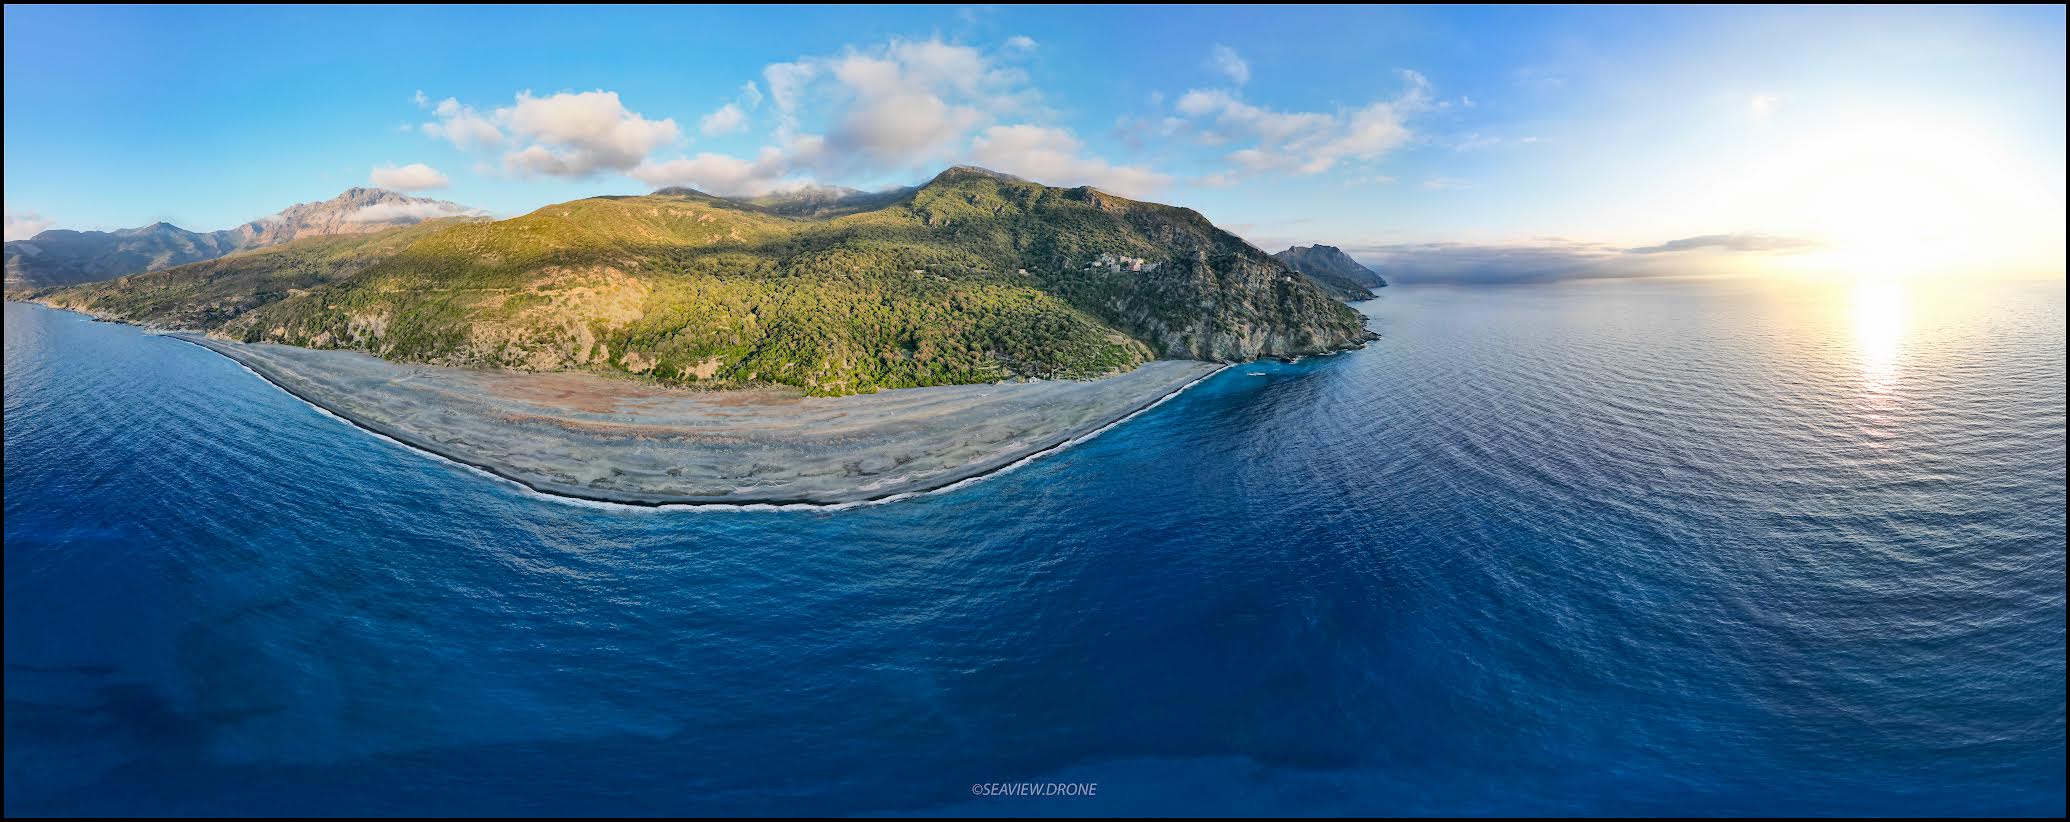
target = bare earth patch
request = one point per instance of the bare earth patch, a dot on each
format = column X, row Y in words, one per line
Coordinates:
column 617, row 440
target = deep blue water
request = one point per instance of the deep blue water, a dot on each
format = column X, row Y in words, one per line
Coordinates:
column 1613, row 548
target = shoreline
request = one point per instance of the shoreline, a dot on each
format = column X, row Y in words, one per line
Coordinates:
column 741, row 449
column 939, row 482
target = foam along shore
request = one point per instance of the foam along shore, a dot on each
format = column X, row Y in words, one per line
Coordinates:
column 617, row 440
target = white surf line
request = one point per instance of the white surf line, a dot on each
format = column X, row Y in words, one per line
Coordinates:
column 608, row 505
column 1066, row 444
column 376, row 434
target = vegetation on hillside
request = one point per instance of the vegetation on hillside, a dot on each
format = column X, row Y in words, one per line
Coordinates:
column 973, row 277
column 208, row 294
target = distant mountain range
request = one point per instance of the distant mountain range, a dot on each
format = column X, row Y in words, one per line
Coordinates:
column 973, row 277
column 65, row 257
column 1334, row 270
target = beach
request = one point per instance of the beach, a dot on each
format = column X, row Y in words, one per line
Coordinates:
column 618, row 440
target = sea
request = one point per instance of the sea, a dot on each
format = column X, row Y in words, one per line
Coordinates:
column 1674, row 547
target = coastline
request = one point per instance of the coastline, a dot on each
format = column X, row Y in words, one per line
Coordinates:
column 746, row 496
column 1088, row 408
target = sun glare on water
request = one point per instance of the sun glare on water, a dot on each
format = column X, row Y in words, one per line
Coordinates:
column 1881, row 315
column 1881, row 319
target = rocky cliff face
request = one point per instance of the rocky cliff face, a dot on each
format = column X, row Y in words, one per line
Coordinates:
column 1162, row 274
column 1334, row 270
column 1251, row 310
column 1213, row 296
column 64, row 257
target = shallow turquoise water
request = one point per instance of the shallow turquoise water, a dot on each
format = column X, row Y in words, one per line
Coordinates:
column 1589, row 548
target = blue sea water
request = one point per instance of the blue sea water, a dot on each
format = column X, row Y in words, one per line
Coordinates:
column 1602, row 548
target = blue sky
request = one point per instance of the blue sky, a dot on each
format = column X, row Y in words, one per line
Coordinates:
column 1476, row 135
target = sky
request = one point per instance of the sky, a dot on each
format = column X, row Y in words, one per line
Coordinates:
column 1466, row 144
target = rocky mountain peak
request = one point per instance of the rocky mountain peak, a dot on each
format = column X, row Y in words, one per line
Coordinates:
column 954, row 173
column 1333, row 269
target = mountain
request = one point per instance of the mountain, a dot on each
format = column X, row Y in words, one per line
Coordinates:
column 826, row 201
column 972, row 277
column 64, row 257
column 212, row 293
column 1334, row 270
column 357, row 211
column 61, row 256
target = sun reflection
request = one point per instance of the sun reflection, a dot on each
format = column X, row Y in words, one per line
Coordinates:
column 1880, row 314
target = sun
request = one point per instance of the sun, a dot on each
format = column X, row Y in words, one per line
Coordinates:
column 1902, row 197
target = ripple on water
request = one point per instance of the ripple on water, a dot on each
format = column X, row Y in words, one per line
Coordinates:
column 1624, row 548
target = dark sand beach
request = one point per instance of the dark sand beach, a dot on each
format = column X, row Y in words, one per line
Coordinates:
column 618, row 440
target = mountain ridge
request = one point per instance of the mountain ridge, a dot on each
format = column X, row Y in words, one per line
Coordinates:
column 971, row 277
column 57, row 257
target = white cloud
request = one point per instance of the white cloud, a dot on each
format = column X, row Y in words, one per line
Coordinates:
column 939, row 65
column 22, row 225
column 787, row 83
column 1739, row 242
column 1230, row 64
column 1762, row 105
column 1445, row 184
column 898, row 109
column 726, row 120
column 570, row 134
column 909, row 104
column 410, row 212
column 732, row 117
column 1139, row 133
column 720, row 174
column 1054, row 156
column 1304, row 142
column 1368, row 133
column 903, row 107
column 579, row 134
column 902, row 129
column 462, row 126
column 412, row 177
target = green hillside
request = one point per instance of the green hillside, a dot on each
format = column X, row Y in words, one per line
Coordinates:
column 972, row 277
column 208, row 294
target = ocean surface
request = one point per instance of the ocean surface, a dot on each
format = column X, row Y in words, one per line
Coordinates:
column 1592, row 548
